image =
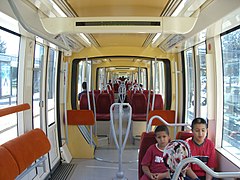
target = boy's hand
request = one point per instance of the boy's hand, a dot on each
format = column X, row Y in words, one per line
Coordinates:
column 153, row 176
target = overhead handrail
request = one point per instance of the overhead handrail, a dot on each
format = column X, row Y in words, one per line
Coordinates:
column 205, row 168
column 14, row 109
column 163, row 121
column 119, row 144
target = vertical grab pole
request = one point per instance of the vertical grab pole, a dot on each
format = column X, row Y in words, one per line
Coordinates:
column 120, row 145
column 94, row 103
column 149, row 92
column 88, row 98
column 176, row 98
column 154, row 84
column 65, row 99
column 120, row 140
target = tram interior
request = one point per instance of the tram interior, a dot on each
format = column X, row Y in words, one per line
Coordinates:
column 119, row 48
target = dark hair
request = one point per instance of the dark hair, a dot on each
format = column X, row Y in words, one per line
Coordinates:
column 161, row 128
column 84, row 85
column 199, row 120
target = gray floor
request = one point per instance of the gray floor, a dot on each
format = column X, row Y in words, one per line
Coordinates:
column 105, row 165
column 92, row 169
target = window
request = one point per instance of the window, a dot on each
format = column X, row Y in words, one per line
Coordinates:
column 37, row 68
column 231, row 90
column 51, row 85
column 9, row 49
column 202, row 76
column 190, row 79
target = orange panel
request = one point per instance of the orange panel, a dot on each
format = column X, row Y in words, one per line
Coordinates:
column 80, row 117
column 167, row 115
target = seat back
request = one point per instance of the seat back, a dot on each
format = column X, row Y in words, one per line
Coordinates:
column 103, row 104
column 28, row 147
column 158, row 102
column 168, row 115
column 183, row 135
column 84, row 101
column 139, row 103
column 8, row 166
column 147, row 139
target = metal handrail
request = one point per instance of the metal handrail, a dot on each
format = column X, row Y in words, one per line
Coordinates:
column 205, row 168
column 163, row 121
column 120, row 144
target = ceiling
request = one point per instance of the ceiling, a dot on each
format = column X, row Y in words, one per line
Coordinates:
column 119, row 8
column 109, row 23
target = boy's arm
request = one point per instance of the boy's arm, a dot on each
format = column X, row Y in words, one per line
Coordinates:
column 146, row 171
column 163, row 175
column 209, row 177
column 191, row 174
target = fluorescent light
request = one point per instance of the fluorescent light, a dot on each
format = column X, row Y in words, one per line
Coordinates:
column 156, row 37
column 132, row 68
column 61, row 13
column 85, row 38
column 179, row 8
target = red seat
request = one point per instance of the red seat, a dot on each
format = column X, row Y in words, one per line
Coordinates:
column 183, row 135
column 158, row 102
column 84, row 101
column 139, row 107
column 103, row 105
column 115, row 87
column 147, row 139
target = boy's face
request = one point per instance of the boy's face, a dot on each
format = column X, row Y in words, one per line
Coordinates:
column 162, row 138
column 199, row 133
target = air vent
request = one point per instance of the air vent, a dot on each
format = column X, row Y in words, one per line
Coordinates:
column 118, row 23
column 169, row 25
column 172, row 41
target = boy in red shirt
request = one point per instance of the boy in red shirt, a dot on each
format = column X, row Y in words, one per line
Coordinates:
column 152, row 164
column 201, row 148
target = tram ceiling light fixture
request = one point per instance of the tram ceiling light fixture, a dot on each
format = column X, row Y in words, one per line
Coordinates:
column 169, row 25
column 85, row 39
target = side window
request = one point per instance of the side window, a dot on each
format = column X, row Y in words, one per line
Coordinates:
column 231, row 92
column 190, row 86
column 9, row 49
column 51, row 85
column 37, row 70
column 202, row 79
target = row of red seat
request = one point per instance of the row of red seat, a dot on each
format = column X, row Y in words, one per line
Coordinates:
column 103, row 102
column 105, row 99
column 139, row 103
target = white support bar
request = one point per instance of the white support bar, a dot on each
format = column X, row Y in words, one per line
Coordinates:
column 163, row 121
column 205, row 168
column 39, row 163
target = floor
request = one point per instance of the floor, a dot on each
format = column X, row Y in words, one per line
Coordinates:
column 106, row 163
